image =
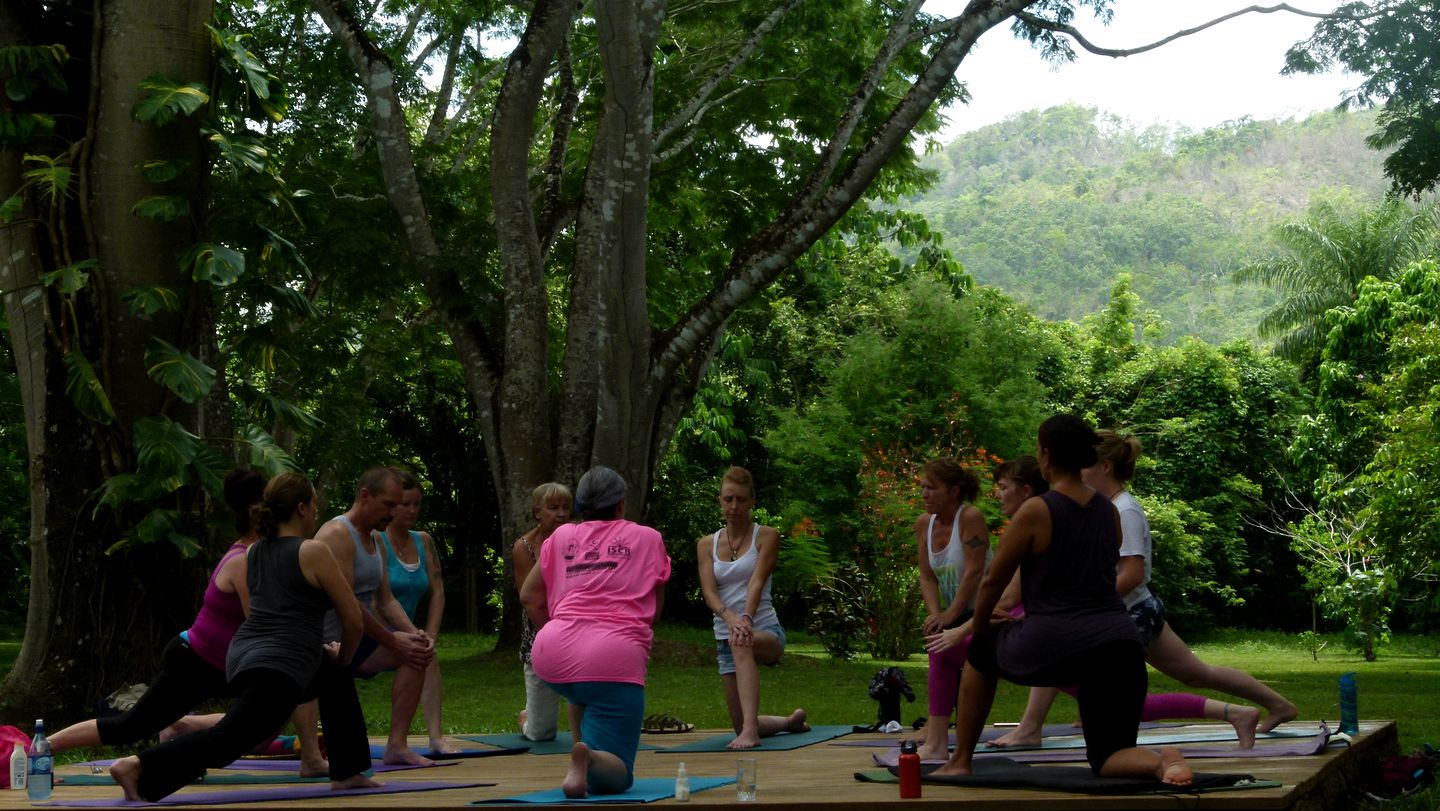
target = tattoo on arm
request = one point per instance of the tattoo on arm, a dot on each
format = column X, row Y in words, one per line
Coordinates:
column 975, row 542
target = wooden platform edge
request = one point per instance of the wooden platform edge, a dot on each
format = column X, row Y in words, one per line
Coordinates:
column 1334, row 787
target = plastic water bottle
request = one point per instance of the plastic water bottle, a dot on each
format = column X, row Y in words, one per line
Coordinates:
column 41, row 775
column 19, row 765
column 682, row 785
column 1349, row 710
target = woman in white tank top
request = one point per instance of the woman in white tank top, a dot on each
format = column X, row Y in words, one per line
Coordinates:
column 735, row 568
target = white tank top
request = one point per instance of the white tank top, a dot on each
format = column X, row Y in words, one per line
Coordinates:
column 732, row 580
column 949, row 563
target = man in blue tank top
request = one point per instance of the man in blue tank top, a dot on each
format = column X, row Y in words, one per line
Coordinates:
column 391, row 641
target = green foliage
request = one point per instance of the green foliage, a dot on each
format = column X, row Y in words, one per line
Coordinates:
column 28, row 68
column 85, row 390
column 146, row 300
column 162, row 207
column 1393, row 45
column 216, row 264
column 180, row 372
column 166, row 99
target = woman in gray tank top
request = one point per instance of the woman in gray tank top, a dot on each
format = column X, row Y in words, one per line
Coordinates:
column 276, row 660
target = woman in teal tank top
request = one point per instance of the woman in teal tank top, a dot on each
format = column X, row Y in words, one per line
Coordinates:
column 414, row 571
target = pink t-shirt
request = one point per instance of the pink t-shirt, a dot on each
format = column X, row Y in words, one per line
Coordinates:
column 600, row 579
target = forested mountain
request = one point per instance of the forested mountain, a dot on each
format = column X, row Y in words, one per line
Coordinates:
column 1052, row 205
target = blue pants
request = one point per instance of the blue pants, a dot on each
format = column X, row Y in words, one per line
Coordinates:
column 614, row 712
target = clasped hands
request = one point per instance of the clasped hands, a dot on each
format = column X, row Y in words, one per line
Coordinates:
column 939, row 640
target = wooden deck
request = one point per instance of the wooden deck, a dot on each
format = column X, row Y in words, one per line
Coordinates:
column 821, row 776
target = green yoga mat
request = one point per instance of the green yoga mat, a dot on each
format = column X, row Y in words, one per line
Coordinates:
column 208, row 780
column 777, row 742
column 562, row 744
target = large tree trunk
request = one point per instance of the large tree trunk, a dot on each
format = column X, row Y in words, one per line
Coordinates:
column 96, row 621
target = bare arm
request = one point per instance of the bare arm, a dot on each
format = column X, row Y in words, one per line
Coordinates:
column 232, row 578
column 1130, row 574
column 1030, row 524
column 929, row 583
column 521, row 561
column 321, row 569
column 659, row 602
column 533, row 596
column 436, row 611
column 386, row 605
column 975, row 537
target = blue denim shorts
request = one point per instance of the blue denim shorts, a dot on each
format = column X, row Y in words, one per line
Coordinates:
column 727, row 659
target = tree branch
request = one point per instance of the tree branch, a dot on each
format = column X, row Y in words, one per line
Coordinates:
column 440, row 115
column 552, row 210
column 1073, row 33
column 693, row 108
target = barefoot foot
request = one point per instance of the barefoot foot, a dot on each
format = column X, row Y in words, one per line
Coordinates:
column 520, row 719
column 1017, row 737
column 358, row 781
column 1278, row 714
column 747, row 739
column 314, row 767
column 952, row 770
column 126, row 772
column 1244, row 719
column 932, row 753
column 1173, row 769
column 575, row 785
column 396, row 756
column 442, row 746
column 797, row 722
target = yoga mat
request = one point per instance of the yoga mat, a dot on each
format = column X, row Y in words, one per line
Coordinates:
column 776, row 742
column 990, row 733
column 1215, row 735
column 645, row 790
column 252, row 765
column 263, row 795
column 377, row 751
column 1006, row 773
column 562, row 744
column 207, row 780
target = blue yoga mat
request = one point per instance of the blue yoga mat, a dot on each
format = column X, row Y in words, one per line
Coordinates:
column 645, row 790
column 562, row 744
column 777, row 742
column 377, row 751
column 262, row 795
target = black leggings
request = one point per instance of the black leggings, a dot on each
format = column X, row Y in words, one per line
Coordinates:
column 1111, row 680
column 184, row 681
column 265, row 698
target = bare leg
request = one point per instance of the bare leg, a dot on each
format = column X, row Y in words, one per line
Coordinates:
column 1032, row 721
column 1169, row 655
column 742, row 693
column 431, row 697
column 577, row 717
column 1243, row 717
column 126, row 772
column 977, row 695
column 1167, row 765
column 404, row 698
column 85, row 733
column 305, row 719
column 935, row 745
column 187, row 724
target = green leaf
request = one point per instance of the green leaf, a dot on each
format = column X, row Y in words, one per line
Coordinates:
column 162, row 207
column 266, row 455
column 210, row 468
column 217, row 264
column 53, row 181
column 19, row 87
column 161, row 171
column 291, row 414
column 178, row 371
column 291, row 300
column 240, row 151
column 163, row 448
column 119, row 489
column 11, row 208
column 166, row 99
column 70, row 279
column 159, row 526
column 85, row 391
column 150, row 300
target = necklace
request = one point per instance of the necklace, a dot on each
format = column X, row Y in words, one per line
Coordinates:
column 735, row 547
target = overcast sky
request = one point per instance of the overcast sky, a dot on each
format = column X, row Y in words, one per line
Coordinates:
column 1221, row 74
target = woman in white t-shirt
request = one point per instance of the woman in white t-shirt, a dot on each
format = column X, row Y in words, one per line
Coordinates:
column 735, row 568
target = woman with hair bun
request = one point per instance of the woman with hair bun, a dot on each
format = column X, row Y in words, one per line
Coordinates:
column 1066, row 543
column 594, row 595
column 277, row 659
column 736, row 564
column 1165, row 650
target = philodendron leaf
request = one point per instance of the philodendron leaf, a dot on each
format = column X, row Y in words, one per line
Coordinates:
column 178, row 371
column 83, row 388
column 166, row 99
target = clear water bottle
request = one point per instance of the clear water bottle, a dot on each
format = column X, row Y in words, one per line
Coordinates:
column 41, row 776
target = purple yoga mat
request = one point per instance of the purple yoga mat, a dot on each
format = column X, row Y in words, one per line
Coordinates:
column 276, row 765
column 265, row 795
column 991, row 733
column 1294, row 748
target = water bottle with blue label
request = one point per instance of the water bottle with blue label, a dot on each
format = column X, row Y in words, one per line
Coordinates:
column 41, row 775
column 1349, row 712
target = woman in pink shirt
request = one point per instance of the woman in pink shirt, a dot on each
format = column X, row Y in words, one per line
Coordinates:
column 594, row 595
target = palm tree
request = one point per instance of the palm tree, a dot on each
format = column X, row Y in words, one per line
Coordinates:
column 1323, row 259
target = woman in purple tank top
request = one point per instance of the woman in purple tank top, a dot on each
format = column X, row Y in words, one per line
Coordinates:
column 193, row 663
column 1076, row 630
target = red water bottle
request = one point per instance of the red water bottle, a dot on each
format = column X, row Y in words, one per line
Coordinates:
column 909, row 771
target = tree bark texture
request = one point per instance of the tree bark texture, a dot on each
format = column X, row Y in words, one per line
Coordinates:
column 97, row 621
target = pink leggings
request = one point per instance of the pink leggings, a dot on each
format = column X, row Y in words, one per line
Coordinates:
column 944, row 678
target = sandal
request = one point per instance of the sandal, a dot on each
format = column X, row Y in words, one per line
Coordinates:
column 661, row 723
